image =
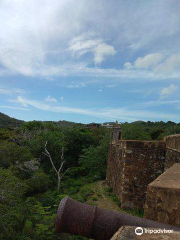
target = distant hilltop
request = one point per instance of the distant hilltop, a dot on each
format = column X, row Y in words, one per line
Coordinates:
column 9, row 122
column 97, row 125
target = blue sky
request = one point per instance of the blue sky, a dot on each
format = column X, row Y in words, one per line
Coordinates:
column 90, row 61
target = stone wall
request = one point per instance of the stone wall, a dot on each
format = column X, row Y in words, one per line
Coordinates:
column 172, row 150
column 163, row 197
column 132, row 165
column 115, row 169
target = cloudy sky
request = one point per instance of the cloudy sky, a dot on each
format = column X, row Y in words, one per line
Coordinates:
column 90, row 61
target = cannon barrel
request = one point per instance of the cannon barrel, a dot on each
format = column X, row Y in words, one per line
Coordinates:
column 96, row 223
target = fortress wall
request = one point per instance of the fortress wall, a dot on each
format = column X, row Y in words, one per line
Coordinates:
column 132, row 165
column 115, row 169
column 172, row 150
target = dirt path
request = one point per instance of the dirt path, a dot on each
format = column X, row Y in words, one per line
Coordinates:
column 107, row 201
column 103, row 200
column 101, row 197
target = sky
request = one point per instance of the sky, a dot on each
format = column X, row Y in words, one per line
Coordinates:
column 90, row 61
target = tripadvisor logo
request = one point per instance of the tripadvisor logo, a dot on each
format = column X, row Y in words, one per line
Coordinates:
column 138, row 231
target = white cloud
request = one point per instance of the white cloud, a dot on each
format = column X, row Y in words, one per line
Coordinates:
column 88, row 43
column 162, row 66
column 111, row 86
column 128, row 65
column 101, row 51
column 126, row 114
column 11, row 91
column 170, row 65
column 50, row 99
column 158, row 102
column 15, row 108
column 166, row 92
column 76, row 85
column 34, row 39
column 29, row 33
column 149, row 61
column 83, row 44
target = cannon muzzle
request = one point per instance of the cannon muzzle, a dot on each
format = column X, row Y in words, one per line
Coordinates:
column 96, row 223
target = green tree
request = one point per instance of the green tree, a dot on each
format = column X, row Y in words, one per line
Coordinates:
column 94, row 159
column 12, row 206
column 11, row 153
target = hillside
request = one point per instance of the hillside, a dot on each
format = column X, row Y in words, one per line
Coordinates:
column 67, row 124
column 6, row 121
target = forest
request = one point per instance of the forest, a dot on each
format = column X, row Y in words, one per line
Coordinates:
column 42, row 162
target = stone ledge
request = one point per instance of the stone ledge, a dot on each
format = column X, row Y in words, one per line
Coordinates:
column 128, row 233
column 169, row 179
column 163, row 197
column 173, row 142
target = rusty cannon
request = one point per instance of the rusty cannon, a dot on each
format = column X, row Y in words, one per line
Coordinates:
column 93, row 222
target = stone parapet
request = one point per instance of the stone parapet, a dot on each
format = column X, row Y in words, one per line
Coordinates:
column 163, row 197
column 173, row 142
column 172, row 150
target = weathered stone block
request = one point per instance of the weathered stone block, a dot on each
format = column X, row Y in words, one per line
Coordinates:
column 172, row 150
column 163, row 197
column 128, row 233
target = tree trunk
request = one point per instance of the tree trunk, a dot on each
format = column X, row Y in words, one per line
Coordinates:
column 59, row 183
